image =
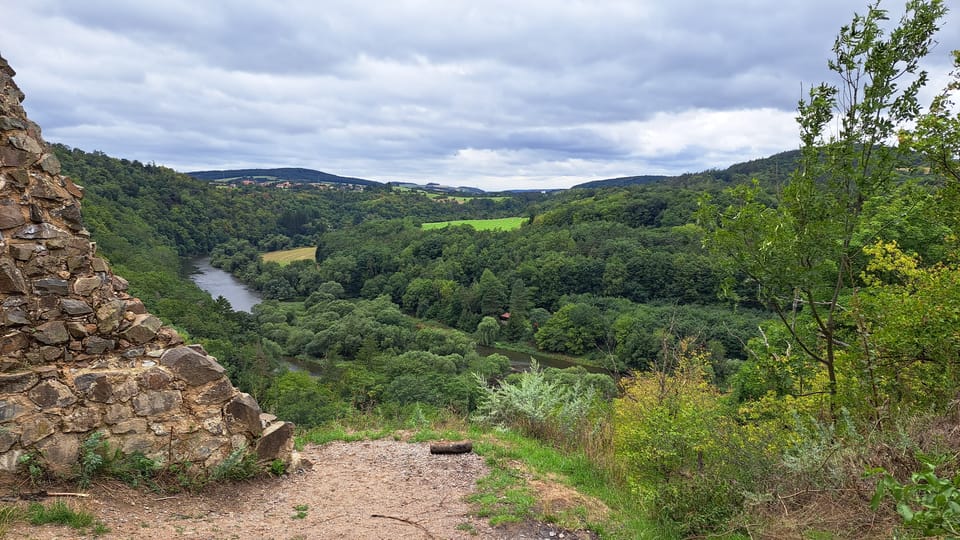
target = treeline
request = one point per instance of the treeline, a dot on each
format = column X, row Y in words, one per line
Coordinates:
column 194, row 216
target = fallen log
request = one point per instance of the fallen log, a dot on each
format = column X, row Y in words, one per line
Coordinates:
column 456, row 447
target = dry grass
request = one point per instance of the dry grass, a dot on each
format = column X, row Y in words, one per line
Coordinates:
column 287, row 256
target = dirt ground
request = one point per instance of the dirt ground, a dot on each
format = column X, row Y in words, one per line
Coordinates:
column 362, row 490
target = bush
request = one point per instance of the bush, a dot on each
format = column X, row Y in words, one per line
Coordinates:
column 684, row 452
column 926, row 503
column 542, row 408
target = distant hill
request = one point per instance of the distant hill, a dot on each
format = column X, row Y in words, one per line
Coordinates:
column 623, row 181
column 775, row 167
column 289, row 174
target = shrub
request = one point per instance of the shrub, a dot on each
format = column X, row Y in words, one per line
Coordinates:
column 541, row 407
column 684, row 452
column 926, row 503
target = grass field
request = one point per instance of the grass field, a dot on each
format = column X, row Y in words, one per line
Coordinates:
column 289, row 255
column 461, row 199
column 501, row 224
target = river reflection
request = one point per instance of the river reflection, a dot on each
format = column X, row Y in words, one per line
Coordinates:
column 219, row 283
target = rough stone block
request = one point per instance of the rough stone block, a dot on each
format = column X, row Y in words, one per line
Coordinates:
column 74, row 307
column 40, row 231
column 52, row 333
column 12, row 383
column 12, row 408
column 98, row 345
column 276, row 442
column 106, row 387
column 11, row 280
column 52, row 394
column 129, row 426
column 13, row 342
column 191, row 366
column 77, row 329
column 10, row 214
column 37, row 427
column 22, row 252
column 15, row 317
column 143, row 328
column 86, row 285
column 216, row 393
column 52, row 286
column 60, row 453
column 154, row 379
column 8, row 437
column 243, row 414
column 145, row 443
column 82, row 419
column 117, row 412
column 109, row 316
column 156, row 402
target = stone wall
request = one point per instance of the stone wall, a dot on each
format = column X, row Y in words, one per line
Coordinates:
column 78, row 354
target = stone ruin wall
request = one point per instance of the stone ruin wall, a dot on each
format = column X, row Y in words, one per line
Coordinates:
column 78, row 354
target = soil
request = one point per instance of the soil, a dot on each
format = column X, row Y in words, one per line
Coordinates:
column 362, row 490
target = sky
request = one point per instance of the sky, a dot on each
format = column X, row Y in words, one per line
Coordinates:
column 521, row 94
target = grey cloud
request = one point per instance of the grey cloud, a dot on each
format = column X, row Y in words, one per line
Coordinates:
column 401, row 88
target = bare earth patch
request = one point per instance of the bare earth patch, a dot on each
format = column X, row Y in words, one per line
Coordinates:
column 362, row 490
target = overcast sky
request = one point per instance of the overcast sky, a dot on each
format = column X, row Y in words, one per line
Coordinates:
column 492, row 94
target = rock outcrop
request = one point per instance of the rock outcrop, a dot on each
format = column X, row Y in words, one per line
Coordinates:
column 78, row 354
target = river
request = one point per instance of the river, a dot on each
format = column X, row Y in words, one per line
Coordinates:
column 219, row 283
column 521, row 360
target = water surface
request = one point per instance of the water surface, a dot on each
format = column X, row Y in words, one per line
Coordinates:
column 219, row 283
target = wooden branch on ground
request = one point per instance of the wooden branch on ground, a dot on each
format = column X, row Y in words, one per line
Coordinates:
column 37, row 495
column 414, row 523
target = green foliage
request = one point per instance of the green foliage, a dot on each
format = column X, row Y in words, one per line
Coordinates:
column 550, row 409
column 683, row 453
column 805, row 251
column 487, row 331
column 502, row 497
column 92, row 452
column 926, row 503
column 575, row 328
column 301, row 511
column 58, row 513
column 31, row 462
column 299, row 398
column 277, row 467
column 241, row 464
column 500, row 224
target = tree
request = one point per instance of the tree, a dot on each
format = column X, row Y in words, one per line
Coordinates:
column 804, row 255
column 492, row 293
column 937, row 137
column 518, row 326
column 574, row 328
column 487, row 331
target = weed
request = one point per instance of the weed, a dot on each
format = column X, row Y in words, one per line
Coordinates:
column 467, row 527
column 239, row 465
column 92, row 452
column 301, row 510
column 8, row 514
column 31, row 462
column 502, row 496
column 278, row 467
column 58, row 513
column 927, row 503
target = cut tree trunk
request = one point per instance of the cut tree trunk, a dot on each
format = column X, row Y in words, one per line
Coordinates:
column 457, row 447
